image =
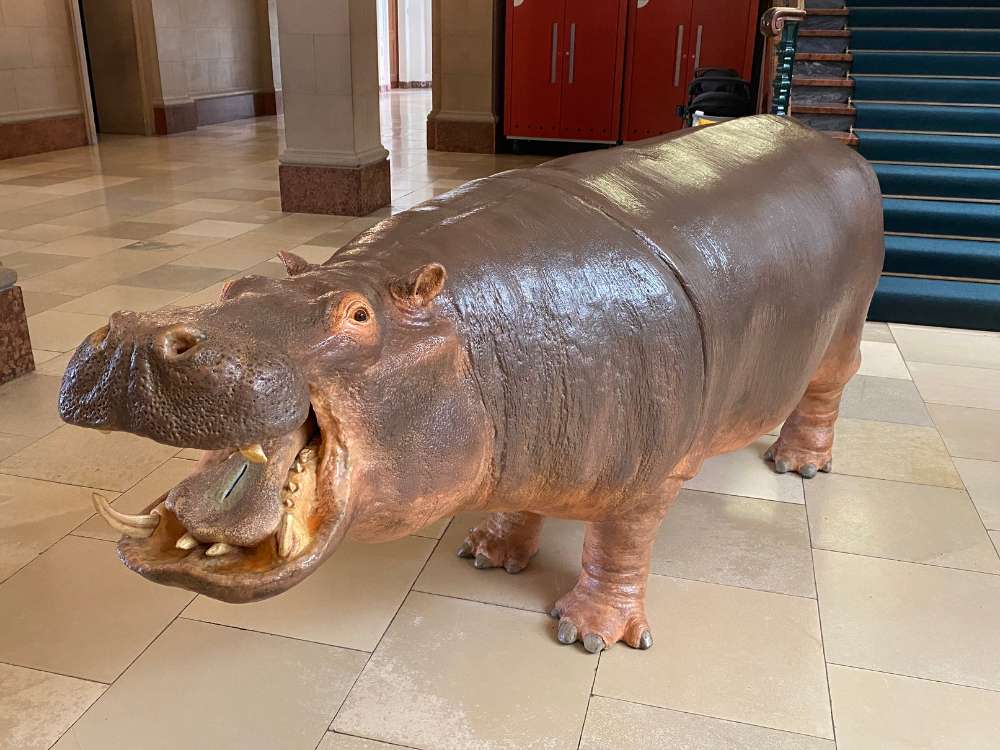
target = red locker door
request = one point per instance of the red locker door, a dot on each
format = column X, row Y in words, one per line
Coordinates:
column 658, row 62
column 722, row 35
column 534, row 66
column 593, row 51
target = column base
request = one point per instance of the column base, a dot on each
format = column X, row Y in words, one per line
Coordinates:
column 469, row 136
column 346, row 191
column 15, row 343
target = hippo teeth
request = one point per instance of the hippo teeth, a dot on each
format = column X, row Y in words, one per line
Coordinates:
column 254, row 453
column 289, row 536
column 187, row 542
column 218, row 549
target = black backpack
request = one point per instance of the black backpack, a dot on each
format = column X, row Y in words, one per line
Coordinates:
column 718, row 92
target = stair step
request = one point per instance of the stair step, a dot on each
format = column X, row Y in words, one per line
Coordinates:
column 937, row 302
column 916, row 89
column 826, row 18
column 942, row 218
column 848, row 139
column 930, row 256
column 940, row 182
column 825, row 109
column 940, row 40
column 846, row 83
column 927, row 118
column 925, row 18
column 889, row 62
column 929, row 148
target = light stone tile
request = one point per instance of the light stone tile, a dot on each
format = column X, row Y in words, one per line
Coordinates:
column 116, row 297
column 995, row 536
column 216, row 228
column 220, row 688
column 877, row 711
column 975, row 387
column 618, row 725
column 11, row 444
column 968, row 433
column 28, row 406
column 56, row 366
column 28, row 263
column 982, row 480
column 37, row 707
column 43, row 232
column 237, row 254
column 148, row 490
column 82, row 246
column 884, row 400
column 728, row 653
column 908, row 619
column 456, row 675
column 77, row 455
column 335, row 741
column 883, row 360
column 95, row 273
column 434, row 530
column 737, row 541
column 34, row 515
column 36, row 302
column 912, row 522
column 76, row 610
column 60, row 331
column 348, row 602
column 948, row 347
column 903, row 453
column 745, row 473
column 42, row 356
column 209, row 205
column 877, row 332
column 180, row 277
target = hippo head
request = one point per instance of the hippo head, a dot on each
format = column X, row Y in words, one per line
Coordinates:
column 336, row 398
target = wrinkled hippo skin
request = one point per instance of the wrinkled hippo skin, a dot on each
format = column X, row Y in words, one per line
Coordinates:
column 572, row 340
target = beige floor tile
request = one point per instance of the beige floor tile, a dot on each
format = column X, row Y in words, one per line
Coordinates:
column 28, row 406
column 209, row 205
column 180, row 277
column 238, row 253
column 117, row 297
column 95, row 273
column 78, row 611
column 975, row 387
column 968, row 433
column 995, row 536
column 729, row 653
column 43, row 232
column 216, row 228
column 34, row 515
column 434, row 530
column 41, row 356
column 458, row 675
column 737, row 541
column 77, row 455
column 348, row 602
column 36, row 302
column 83, row 246
column 618, row 725
column 948, row 347
column 877, row 332
column 205, row 296
column 9, row 247
column 982, row 480
column 552, row 572
column 29, row 264
column 55, row 366
column 336, row 741
column 912, row 522
column 133, row 230
column 882, row 360
column 876, row 711
column 11, row 444
column 903, row 453
column 208, row 686
column 161, row 480
column 909, row 619
column 745, row 473
column 61, row 331
column 191, row 454
column 884, row 400
column 37, row 707
column 314, row 253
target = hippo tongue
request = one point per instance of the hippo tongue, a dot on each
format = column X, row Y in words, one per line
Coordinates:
column 234, row 500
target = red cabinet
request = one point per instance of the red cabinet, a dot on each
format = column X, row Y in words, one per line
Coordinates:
column 564, row 63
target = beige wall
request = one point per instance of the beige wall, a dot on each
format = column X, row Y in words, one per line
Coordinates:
column 464, row 57
column 114, row 66
column 38, row 70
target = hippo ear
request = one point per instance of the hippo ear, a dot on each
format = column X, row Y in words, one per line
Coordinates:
column 420, row 286
column 293, row 263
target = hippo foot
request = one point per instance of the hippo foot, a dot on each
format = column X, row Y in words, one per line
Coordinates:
column 598, row 621
column 492, row 549
column 805, row 461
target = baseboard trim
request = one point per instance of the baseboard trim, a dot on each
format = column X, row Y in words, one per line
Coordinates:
column 213, row 110
column 40, row 134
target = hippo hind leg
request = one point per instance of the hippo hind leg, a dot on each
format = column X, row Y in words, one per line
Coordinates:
column 805, row 444
column 505, row 540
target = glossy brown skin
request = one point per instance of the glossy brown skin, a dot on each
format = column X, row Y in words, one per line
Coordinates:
column 608, row 322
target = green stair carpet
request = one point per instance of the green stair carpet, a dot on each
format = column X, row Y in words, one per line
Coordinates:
column 926, row 74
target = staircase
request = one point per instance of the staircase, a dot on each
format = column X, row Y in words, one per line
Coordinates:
column 917, row 82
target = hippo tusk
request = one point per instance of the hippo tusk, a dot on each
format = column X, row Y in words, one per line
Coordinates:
column 289, row 536
column 254, row 453
column 139, row 527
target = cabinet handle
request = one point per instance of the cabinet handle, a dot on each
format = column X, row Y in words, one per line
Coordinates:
column 555, row 46
column 680, row 54
column 572, row 50
column 640, row 4
column 697, row 49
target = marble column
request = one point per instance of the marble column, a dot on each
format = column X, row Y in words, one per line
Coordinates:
column 332, row 161
column 15, row 344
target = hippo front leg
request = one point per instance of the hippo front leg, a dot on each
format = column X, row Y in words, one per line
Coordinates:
column 608, row 603
column 505, row 540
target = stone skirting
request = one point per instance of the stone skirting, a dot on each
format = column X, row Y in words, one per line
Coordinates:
column 470, row 136
column 411, row 84
column 175, row 118
column 347, row 191
column 15, row 343
column 25, row 137
column 185, row 116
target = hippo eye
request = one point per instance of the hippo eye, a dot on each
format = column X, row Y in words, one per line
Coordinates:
column 361, row 315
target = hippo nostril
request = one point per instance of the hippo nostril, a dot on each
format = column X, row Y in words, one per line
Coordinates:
column 177, row 341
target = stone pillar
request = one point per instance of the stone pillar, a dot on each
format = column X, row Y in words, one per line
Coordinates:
column 466, row 64
column 333, row 161
column 15, row 343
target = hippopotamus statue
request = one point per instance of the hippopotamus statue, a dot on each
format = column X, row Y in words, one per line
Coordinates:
column 572, row 340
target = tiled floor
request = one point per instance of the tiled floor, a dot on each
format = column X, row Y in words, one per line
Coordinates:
column 859, row 610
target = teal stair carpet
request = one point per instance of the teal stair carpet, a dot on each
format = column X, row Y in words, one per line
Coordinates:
column 927, row 96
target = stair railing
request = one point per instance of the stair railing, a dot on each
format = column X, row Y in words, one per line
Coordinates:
column 780, row 24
